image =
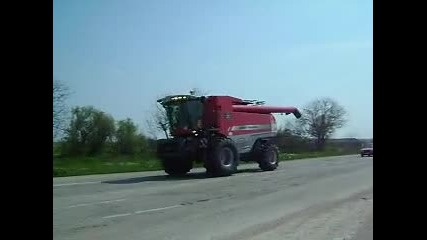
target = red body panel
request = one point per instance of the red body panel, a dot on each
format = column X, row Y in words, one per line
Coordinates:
column 225, row 114
column 248, row 123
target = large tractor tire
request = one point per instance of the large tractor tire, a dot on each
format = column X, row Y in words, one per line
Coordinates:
column 222, row 159
column 176, row 166
column 174, row 160
column 267, row 156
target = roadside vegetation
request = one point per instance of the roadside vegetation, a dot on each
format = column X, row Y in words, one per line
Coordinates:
column 90, row 141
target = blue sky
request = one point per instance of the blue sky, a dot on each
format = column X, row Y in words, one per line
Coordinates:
column 119, row 56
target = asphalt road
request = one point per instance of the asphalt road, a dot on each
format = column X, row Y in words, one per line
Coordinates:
column 314, row 199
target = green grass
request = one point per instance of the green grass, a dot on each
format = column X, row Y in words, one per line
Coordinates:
column 101, row 165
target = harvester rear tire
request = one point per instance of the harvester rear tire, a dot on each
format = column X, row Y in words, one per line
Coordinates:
column 268, row 157
column 222, row 158
column 176, row 166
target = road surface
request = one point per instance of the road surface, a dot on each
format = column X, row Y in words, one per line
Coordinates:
column 313, row 199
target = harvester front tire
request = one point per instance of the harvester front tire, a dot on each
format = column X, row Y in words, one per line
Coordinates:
column 176, row 166
column 222, row 158
column 268, row 157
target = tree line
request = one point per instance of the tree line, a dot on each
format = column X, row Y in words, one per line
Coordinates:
column 89, row 131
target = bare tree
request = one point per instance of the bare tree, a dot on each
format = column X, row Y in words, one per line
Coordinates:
column 321, row 118
column 159, row 122
column 295, row 128
column 60, row 95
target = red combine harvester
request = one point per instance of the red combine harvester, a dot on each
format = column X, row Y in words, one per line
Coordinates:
column 219, row 131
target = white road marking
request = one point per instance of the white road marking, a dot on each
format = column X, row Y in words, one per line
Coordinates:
column 71, row 184
column 142, row 211
column 93, row 203
column 118, row 215
column 157, row 209
column 110, row 201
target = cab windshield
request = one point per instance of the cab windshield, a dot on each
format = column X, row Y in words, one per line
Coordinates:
column 184, row 114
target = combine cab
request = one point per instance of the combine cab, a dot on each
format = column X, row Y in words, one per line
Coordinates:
column 219, row 131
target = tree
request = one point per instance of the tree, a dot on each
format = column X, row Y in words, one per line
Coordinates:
column 290, row 138
column 89, row 131
column 158, row 122
column 127, row 139
column 60, row 95
column 320, row 119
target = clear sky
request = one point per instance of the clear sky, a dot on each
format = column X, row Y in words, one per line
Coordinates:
column 120, row 55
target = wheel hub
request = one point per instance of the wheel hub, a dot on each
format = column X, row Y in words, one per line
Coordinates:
column 226, row 157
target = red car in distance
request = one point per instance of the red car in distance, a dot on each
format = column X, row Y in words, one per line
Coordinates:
column 367, row 151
